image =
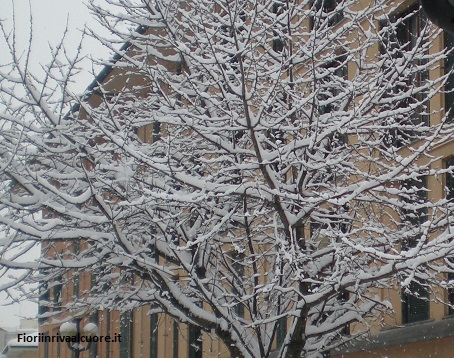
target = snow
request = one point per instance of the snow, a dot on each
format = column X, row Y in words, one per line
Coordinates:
column 90, row 329
column 68, row 329
column 15, row 343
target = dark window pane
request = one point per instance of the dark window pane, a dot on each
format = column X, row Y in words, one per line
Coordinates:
column 450, row 196
column 126, row 335
column 46, row 347
column 278, row 43
column 154, row 335
column 400, row 38
column 451, row 294
column 195, row 342
column 108, row 333
column 281, row 331
column 44, row 297
column 414, row 194
column 450, row 180
column 238, row 275
column 175, row 339
column 334, row 76
column 343, row 297
column 93, row 352
column 156, row 131
column 415, row 305
column 449, row 62
column 328, row 9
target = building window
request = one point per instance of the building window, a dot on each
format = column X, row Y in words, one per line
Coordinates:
column 281, row 331
column 93, row 352
column 278, row 43
column 331, row 99
column 175, row 339
column 449, row 88
column 57, row 292
column 342, row 298
column 327, row 10
column 229, row 32
column 401, row 34
column 449, row 189
column 156, row 131
column 415, row 303
column 108, row 334
column 414, row 195
column 195, row 342
column 451, row 295
column 126, row 332
column 274, row 136
column 76, row 287
column 332, row 81
column 46, row 346
column 237, row 271
column 76, row 275
column 154, row 323
column 415, row 299
column 44, row 297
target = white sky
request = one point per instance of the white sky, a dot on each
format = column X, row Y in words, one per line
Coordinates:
column 50, row 18
column 49, row 21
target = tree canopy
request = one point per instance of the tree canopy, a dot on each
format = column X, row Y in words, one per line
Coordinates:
column 237, row 165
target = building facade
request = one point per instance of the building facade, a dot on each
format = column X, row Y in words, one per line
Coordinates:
column 419, row 327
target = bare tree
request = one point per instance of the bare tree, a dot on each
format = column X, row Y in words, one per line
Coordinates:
column 240, row 165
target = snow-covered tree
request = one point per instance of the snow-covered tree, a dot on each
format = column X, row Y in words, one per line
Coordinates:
column 241, row 166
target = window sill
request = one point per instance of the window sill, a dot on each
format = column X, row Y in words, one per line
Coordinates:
column 403, row 325
column 402, row 335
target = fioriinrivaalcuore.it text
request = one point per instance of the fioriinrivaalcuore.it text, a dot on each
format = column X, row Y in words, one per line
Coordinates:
column 43, row 338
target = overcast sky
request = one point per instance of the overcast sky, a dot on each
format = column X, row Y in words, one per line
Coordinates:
column 50, row 18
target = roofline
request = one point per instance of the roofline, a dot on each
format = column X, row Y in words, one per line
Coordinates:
column 102, row 75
